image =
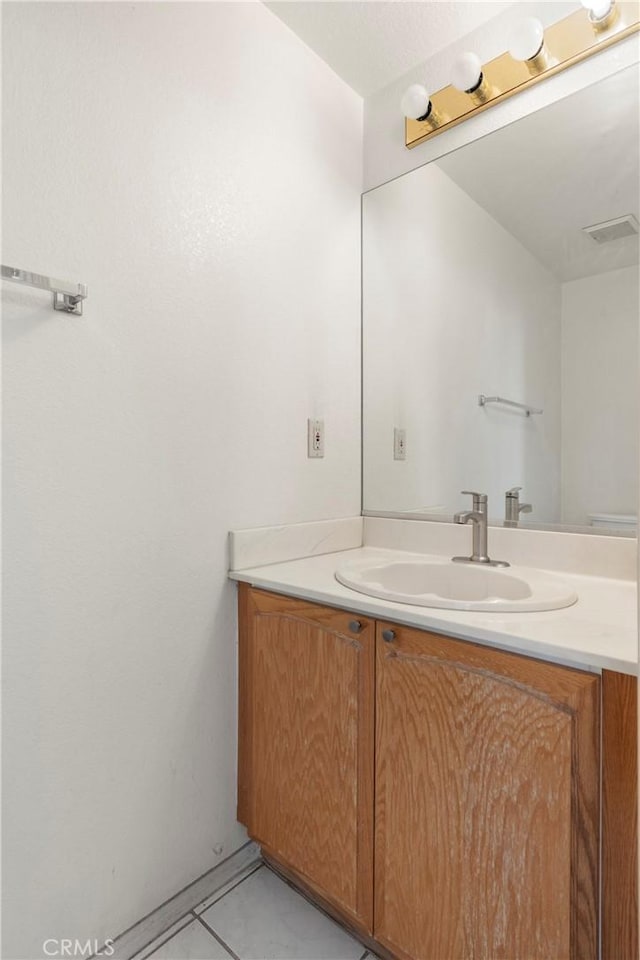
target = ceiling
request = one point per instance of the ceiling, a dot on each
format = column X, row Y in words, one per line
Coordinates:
column 371, row 44
column 566, row 167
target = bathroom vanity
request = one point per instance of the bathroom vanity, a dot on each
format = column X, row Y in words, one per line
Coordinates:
column 440, row 796
column 461, row 783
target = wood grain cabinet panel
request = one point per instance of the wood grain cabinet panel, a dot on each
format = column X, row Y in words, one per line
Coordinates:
column 487, row 783
column 619, row 817
column 306, row 743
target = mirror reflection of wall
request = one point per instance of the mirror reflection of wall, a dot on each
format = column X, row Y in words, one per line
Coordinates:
column 479, row 279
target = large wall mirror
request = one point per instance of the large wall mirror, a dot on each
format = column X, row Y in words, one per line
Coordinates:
column 508, row 269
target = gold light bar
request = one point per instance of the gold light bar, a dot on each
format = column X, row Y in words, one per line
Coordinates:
column 567, row 42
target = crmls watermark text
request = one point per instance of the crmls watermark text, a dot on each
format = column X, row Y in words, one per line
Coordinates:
column 54, row 947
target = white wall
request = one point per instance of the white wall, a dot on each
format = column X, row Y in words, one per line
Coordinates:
column 454, row 306
column 600, row 395
column 200, row 169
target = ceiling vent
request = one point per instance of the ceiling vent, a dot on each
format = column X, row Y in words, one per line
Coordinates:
column 617, row 229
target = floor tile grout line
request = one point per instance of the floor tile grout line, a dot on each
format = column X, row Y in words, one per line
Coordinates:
column 218, row 938
column 223, row 895
column 138, row 955
column 141, row 955
column 156, row 946
column 307, row 897
column 169, row 899
column 191, row 915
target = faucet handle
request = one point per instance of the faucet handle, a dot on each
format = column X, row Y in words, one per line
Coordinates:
column 513, row 492
column 479, row 500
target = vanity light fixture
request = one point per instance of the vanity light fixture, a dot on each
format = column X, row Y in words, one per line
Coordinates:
column 467, row 76
column 415, row 102
column 416, row 105
column 601, row 12
column 527, row 44
column 535, row 53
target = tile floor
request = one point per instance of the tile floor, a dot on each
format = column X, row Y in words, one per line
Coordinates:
column 259, row 917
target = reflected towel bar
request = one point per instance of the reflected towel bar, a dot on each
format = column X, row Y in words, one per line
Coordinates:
column 67, row 296
column 482, row 401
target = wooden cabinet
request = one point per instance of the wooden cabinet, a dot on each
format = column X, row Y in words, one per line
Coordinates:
column 486, row 839
column 619, row 817
column 306, row 744
column 485, row 765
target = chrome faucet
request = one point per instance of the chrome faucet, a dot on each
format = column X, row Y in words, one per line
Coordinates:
column 513, row 508
column 478, row 517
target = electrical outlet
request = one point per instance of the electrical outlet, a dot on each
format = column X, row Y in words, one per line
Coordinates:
column 399, row 443
column 315, row 438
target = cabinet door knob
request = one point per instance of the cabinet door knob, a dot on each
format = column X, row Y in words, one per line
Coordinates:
column 355, row 626
column 388, row 636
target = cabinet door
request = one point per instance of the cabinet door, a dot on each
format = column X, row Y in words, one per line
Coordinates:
column 487, row 806
column 619, row 817
column 306, row 743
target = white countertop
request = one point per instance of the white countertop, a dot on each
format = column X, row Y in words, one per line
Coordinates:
column 598, row 632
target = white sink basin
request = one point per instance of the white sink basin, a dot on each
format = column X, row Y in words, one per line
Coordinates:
column 434, row 582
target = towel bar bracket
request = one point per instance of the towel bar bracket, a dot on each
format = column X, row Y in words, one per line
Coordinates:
column 67, row 303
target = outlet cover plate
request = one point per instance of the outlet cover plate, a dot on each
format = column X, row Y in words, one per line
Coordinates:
column 399, row 443
column 315, row 439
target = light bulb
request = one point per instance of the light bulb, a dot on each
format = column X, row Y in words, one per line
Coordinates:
column 415, row 103
column 599, row 9
column 466, row 73
column 527, row 39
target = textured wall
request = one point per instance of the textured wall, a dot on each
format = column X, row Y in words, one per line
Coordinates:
column 370, row 44
column 200, row 169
